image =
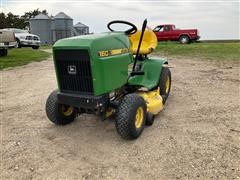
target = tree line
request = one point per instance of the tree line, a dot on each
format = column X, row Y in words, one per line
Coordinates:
column 11, row 20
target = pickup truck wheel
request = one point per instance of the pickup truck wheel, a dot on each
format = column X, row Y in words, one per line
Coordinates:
column 3, row 52
column 35, row 47
column 18, row 44
column 184, row 39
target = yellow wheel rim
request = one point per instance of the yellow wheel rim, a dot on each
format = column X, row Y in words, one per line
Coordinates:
column 66, row 110
column 167, row 84
column 139, row 117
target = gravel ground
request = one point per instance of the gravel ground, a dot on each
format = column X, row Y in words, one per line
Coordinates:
column 196, row 136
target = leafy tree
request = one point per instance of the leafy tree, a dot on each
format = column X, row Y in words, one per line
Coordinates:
column 2, row 20
column 31, row 14
column 15, row 21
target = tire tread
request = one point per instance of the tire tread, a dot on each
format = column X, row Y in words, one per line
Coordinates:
column 52, row 111
column 125, row 113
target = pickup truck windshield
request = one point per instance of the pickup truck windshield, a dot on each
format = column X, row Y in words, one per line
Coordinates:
column 158, row 28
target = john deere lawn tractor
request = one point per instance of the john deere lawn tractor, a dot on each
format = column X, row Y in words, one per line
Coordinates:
column 110, row 74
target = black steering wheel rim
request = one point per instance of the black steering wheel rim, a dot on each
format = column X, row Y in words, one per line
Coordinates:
column 130, row 31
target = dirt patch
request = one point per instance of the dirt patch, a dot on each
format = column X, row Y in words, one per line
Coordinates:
column 196, row 136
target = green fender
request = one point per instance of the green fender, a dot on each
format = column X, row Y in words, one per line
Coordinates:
column 152, row 68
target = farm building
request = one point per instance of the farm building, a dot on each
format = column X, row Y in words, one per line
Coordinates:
column 81, row 28
column 51, row 29
column 41, row 26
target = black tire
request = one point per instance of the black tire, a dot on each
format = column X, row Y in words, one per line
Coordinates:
column 149, row 119
column 184, row 39
column 18, row 44
column 35, row 47
column 55, row 111
column 126, row 119
column 164, row 89
column 3, row 52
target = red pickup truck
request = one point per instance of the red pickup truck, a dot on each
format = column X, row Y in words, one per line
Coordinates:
column 169, row 32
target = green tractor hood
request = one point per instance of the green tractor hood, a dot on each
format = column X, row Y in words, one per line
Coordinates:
column 109, row 58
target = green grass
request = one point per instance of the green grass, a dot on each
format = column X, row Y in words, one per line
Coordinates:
column 46, row 47
column 22, row 56
column 208, row 51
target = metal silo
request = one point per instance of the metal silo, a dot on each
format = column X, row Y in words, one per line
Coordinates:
column 41, row 26
column 62, row 26
column 81, row 28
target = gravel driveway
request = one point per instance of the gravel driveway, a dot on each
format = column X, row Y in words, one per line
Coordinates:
column 196, row 136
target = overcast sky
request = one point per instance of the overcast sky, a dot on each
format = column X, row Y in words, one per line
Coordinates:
column 215, row 19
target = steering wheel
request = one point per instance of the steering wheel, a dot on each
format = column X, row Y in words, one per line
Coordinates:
column 130, row 31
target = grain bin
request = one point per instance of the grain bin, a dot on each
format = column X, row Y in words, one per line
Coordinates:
column 41, row 26
column 81, row 28
column 62, row 26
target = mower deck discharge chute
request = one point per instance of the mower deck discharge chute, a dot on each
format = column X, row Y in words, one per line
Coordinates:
column 110, row 74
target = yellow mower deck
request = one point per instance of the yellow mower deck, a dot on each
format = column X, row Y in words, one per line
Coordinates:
column 153, row 100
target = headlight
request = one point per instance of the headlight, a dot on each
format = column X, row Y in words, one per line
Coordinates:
column 22, row 37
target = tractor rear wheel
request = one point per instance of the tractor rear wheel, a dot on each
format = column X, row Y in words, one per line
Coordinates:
column 57, row 113
column 131, row 116
column 165, row 83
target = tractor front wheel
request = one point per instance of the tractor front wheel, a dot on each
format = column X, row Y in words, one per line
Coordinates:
column 165, row 83
column 57, row 113
column 131, row 116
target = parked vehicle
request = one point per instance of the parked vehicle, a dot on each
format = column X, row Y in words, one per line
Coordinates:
column 25, row 39
column 168, row 32
column 7, row 40
column 110, row 74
